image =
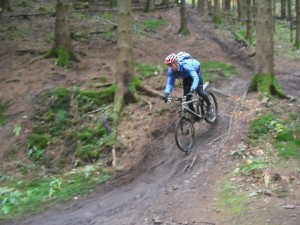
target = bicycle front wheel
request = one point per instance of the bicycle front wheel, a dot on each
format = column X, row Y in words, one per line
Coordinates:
column 184, row 134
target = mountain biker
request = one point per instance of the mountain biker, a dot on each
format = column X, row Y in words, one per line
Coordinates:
column 182, row 65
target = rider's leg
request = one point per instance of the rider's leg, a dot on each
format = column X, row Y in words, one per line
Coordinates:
column 203, row 94
column 187, row 83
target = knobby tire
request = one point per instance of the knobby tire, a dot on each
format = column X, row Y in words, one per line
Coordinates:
column 212, row 118
column 184, row 134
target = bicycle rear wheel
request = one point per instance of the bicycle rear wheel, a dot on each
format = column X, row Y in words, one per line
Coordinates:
column 213, row 115
column 184, row 134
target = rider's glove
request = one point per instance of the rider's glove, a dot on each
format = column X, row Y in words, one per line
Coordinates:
column 165, row 98
column 190, row 94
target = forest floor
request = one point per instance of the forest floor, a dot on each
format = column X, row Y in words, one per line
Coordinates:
column 159, row 184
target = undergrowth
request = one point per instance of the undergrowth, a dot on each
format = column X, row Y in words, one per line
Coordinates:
column 19, row 196
column 273, row 144
column 213, row 70
column 3, row 108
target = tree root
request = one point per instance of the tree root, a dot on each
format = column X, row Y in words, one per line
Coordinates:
column 190, row 166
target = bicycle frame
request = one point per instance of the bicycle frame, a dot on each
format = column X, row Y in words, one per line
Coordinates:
column 185, row 108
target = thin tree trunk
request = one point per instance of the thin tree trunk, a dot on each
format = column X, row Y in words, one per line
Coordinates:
column 283, row 9
column 149, row 6
column 249, row 21
column 290, row 16
column 183, row 20
column 297, row 40
column 217, row 12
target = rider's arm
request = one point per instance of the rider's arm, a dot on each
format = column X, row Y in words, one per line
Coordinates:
column 170, row 82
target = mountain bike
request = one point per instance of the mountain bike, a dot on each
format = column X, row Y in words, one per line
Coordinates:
column 184, row 129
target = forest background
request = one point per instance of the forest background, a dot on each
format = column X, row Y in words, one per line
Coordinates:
column 65, row 133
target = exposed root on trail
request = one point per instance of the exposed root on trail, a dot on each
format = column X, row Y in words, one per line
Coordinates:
column 190, row 166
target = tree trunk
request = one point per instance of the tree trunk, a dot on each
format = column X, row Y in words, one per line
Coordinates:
column 150, row 7
column 202, row 6
column 227, row 5
column 217, row 12
column 283, row 9
column 241, row 10
column 193, row 4
column 297, row 40
column 183, row 20
column 124, row 67
column 249, row 21
column 209, row 7
column 62, row 47
column 290, row 16
column 264, row 80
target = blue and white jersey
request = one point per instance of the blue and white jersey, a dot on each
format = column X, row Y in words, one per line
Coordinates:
column 187, row 68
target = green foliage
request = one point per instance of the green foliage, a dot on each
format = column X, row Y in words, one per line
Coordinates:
column 63, row 58
column 148, row 25
column 79, row 6
column 218, row 20
column 290, row 149
column 19, row 196
column 212, row 70
column 47, row 9
column 267, row 84
column 3, row 108
column 108, row 16
column 110, row 34
column 146, row 70
column 282, row 42
column 12, row 30
column 297, row 44
column 260, row 126
column 231, row 200
column 152, row 25
column 135, row 84
column 243, row 34
column 89, row 152
column 284, row 135
column 249, row 166
column 37, row 143
column 62, row 118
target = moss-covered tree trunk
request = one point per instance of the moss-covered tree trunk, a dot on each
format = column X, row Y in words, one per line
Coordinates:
column 297, row 40
column 217, row 12
column 62, row 47
column 264, row 80
column 124, row 71
column 184, row 30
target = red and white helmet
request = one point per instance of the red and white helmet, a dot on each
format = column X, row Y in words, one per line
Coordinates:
column 171, row 58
